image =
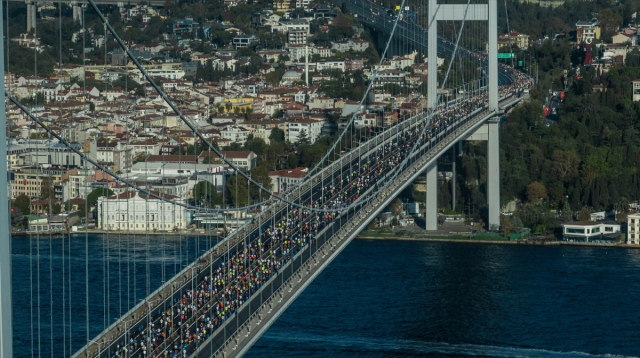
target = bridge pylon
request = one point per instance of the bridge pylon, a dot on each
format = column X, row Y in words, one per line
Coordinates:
column 460, row 12
column 32, row 12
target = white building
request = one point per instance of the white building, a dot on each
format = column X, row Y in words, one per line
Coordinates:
column 633, row 229
column 117, row 153
column 588, row 30
column 309, row 126
column 330, row 65
column 235, row 134
column 131, row 211
column 590, row 231
column 281, row 180
column 292, row 25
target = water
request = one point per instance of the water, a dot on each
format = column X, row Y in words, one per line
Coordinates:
column 118, row 266
column 412, row 299
column 381, row 299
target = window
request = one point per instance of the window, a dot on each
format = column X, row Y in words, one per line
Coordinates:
column 574, row 231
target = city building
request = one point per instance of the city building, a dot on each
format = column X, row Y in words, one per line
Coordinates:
column 636, row 90
column 587, row 30
column 296, row 126
column 589, row 231
column 283, row 179
column 244, row 160
column 513, row 39
column 244, row 40
column 29, row 180
column 131, row 211
column 235, row 133
column 633, row 229
column 177, row 27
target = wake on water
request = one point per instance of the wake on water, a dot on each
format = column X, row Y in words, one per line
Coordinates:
column 364, row 344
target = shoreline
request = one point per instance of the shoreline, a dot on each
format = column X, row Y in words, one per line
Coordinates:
column 499, row 242
column 55, row 235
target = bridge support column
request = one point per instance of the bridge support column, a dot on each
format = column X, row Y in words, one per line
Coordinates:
column 30, row 23
column 493, row 173
column 77, row 13
column 453, row 177
column 431, row 204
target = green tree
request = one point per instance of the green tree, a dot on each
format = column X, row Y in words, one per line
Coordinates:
column 516, row 223
column 57, row 208
column 276, row 135
column 536, row 192
column 206, row 191
column 46, row 187
column 303, row 138
column 82, row 207
column 23, row 203
column 396, row 208
column 505, row 225
column 256, row 145
column 92, row 198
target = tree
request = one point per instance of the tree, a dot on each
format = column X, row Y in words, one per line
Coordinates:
column 396, row 208
column 276, row 135
column 237, row 190
column 140, row 157
column 292, row 161
column 584, row 214
column 565, row 165
column 57, row 208
column 566, row 214
column 260, row 174
column 23, row 203
column 206, row 191
column 609, row 20
column 92, row 198
column 505, row 225
column 302, row 138
column 16, row 216
column 82, row 207
column 256, row 145
column 536, row 192
column 516, row 223
column 46, row 187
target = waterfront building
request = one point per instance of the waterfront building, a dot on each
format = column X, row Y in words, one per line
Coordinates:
column 131, row 211
column 633, row 229
column 589, row 231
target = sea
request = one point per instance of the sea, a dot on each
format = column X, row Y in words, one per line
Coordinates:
column 376, row 299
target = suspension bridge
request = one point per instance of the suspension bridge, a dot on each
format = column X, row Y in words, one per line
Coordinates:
column 220, row 304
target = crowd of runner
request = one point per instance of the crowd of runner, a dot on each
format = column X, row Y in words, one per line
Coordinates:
column 176, row 330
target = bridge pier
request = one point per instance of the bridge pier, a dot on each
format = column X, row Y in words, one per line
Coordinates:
column 77, row 12
column 32, row 12
column 431, row 204
column 493, row 173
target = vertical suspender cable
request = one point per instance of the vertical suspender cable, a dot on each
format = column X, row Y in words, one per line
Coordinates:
column 6, row 335
column 86, row 206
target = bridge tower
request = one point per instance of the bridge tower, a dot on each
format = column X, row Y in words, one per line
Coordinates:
column 32, row 12
column 77, row 11
column 459, row 12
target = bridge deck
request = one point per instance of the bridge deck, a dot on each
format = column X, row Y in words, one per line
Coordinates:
column 294, row 280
